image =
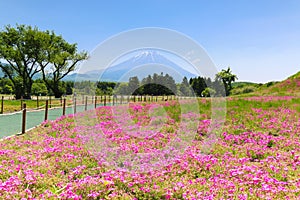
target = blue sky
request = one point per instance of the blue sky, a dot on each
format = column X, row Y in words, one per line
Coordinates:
column 259, row 40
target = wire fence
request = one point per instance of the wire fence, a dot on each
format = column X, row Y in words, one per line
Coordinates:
column 28, row 118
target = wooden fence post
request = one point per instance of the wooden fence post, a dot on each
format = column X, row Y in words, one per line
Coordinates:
column 75, row 104
column 86, row 100
column 95, row 102
column 105, row 100
column 2, row 104
column 64, row 106
column 46, row 110
column 24, row 119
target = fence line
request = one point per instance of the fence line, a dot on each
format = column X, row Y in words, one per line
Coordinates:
column 88, row 102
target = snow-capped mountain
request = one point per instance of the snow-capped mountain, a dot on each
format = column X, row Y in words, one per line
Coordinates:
column 143, row 64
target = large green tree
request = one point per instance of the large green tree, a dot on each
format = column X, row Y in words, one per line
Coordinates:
column 60, row 58
column 21, row 48
column 28, row 51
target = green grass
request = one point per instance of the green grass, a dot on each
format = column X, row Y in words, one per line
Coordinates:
column 15, row 105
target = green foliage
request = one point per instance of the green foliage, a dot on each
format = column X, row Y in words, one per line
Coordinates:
column 158, row 85
column 39, row 89
column 270, row 143
column 59, row 60
column 243, row 84
column 85, row 87
column 6, row 86
column 7, row 89
column 227, row 78
column 199, row 84
column 208, row 92
column 28, row 51
column 151, row 85
column 21, row 48
column 121, row 89
column 185, row 88
column 133, row 85
column 269, row 84
column 105, row 88
column 243, row 89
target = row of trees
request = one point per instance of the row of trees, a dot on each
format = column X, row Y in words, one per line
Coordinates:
column 28, row 51
column 151, row 85
column 39, row 88
column 165, row 85
column 221, row 85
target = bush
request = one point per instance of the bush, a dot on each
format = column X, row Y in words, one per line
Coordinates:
column 208, row 92
column 269, row 84
column 248, row 89
column 7, row 89
column 39, row 89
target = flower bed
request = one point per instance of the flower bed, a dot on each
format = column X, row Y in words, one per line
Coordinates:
column 257, row 156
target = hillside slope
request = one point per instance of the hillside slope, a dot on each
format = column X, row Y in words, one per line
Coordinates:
column 290, row 86
column 287, row 87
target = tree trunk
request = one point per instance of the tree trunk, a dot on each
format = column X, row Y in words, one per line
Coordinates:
column 27, row 92
column 56, row 91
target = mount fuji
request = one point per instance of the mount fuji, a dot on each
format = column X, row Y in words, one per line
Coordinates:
column 141, row 65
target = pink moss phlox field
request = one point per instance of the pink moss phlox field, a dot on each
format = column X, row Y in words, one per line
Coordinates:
column 257, row 155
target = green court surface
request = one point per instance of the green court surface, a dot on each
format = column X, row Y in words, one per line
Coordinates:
column 11, row 124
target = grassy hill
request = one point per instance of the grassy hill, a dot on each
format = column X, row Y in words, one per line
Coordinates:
column 290, row 86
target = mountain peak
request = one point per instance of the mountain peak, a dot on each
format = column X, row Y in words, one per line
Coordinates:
column 150, row 55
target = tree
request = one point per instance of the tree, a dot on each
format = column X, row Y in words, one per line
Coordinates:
column 84, row 88
column 105, row 88
column 185, row 88
column 133, row 85
column 147, row 85
column 208, row 92
column 170, row 85
column 158, row 85
column 39, row 88
column 198, row 84
column 21, row 48
column 29, row 51
column 59, row 60
column 6, row 86
column 69, row 87
column 121, row 89
column 227, row 78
